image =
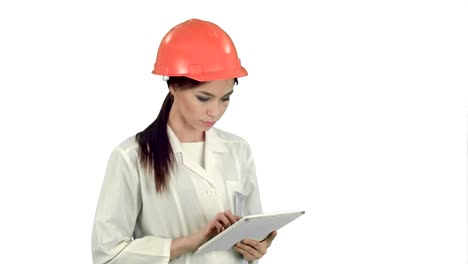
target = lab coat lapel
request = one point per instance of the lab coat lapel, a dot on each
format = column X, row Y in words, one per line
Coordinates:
column 214, row 148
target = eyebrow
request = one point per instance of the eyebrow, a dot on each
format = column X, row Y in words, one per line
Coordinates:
column 212, row 95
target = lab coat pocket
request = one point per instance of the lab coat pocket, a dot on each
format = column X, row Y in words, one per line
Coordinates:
column 236, row 197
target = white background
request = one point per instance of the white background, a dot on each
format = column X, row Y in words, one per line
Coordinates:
column 356, row 112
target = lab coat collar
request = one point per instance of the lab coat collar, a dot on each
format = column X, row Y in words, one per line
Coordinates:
column 213, row 143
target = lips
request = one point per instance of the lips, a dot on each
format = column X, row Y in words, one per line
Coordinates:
column 208, row 124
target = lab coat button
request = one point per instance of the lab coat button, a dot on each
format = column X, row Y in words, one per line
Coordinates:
column 211, row 192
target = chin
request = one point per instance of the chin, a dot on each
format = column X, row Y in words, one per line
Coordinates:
column 204, row 128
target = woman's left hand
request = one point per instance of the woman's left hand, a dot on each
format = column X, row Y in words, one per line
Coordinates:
column 252, row 249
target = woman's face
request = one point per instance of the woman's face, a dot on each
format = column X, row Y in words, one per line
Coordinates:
column 199, row 108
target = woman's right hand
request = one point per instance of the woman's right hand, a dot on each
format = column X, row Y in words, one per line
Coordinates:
column 217, row 225
column 182, row 245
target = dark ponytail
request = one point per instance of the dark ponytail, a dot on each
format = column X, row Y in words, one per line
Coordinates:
column 155, row 150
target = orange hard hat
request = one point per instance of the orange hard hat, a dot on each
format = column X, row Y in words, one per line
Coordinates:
column 199, row 50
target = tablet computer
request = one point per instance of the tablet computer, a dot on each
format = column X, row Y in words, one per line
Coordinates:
column 256, row 227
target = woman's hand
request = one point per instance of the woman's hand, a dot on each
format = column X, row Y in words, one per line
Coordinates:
column 217, row 225
column 252, row 249
column 182, row 245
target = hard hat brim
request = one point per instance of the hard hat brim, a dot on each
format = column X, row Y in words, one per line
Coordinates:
column 210, row 76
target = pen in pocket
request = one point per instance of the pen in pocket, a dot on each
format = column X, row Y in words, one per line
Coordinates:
column 239, row 204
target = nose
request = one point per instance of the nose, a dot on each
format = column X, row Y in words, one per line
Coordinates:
column 214, row 110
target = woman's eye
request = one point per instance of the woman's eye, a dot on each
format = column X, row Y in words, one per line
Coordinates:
column 226, row 99
column 203, row 99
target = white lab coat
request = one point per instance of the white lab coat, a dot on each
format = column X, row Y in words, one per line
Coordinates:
column 135, row 225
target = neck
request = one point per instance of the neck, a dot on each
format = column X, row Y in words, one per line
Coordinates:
column 183, row 131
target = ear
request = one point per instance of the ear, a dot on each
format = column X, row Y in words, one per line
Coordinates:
column 172, row 90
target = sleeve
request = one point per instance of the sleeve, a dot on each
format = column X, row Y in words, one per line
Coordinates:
column 117, row 210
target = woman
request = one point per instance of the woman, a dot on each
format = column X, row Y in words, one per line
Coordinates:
column 171, row 188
